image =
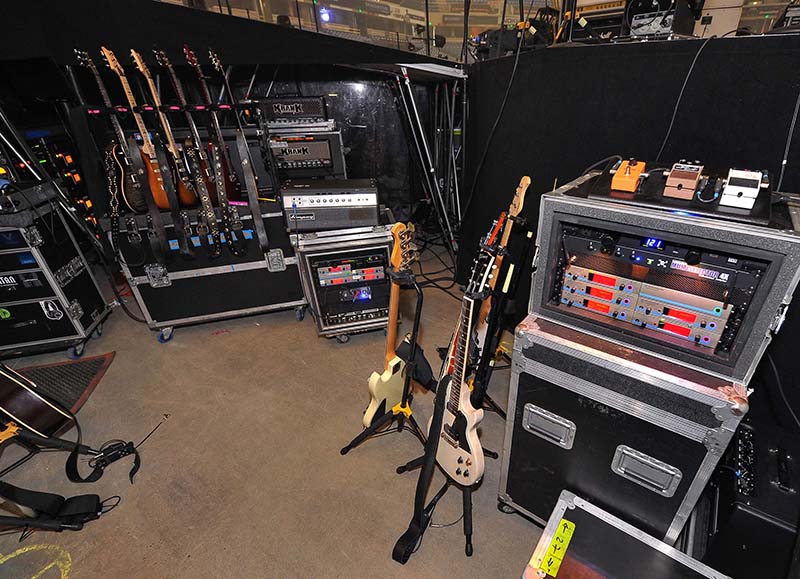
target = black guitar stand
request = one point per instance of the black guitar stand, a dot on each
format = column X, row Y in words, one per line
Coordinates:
column 408, row 543
column 402, row 411
column 494, row 330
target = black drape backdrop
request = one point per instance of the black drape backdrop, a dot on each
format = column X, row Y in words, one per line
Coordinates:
column 573, row 105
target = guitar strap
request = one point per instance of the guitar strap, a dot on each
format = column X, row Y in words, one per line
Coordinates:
column 179, row 225
column 252, row 190
column 156, row 234
column 63, row 513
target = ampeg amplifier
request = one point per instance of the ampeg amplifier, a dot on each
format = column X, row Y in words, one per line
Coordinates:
column 330, row 204
column 302, row 154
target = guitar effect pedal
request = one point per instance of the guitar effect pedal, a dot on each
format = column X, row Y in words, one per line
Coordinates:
column 628, row 176
column 683, row 180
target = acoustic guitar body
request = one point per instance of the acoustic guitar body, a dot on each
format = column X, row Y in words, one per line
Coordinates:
column 155, row 182
column 20, row 402
column 385, row 390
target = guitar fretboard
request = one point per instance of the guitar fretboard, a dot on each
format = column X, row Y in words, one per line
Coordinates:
column 461, row 354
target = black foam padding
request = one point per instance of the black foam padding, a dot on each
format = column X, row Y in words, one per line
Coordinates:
column 66, row 383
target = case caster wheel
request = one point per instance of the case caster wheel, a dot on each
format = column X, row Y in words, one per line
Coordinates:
column 504, row 508
column 300, row 313
column 343, row 338
column 77, row 350
column 165, row 335
column 98, row 331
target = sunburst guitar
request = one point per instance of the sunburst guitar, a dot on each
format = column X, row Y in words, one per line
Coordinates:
column 386, row 387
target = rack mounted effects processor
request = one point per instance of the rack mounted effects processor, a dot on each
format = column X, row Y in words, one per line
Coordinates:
column 664, row 290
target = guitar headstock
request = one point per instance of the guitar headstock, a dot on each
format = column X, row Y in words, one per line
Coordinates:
column 215, row 61
column 111, row 61
column 404, row 252
column 85, row 60
column 161, row 58
column 519, row 197
column 482, row 265
column 191, row 58
column 140, row 64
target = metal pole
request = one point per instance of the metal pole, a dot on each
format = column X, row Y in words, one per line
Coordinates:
column 427, row 29
column 502, row 29
column 297, row 9
column 453, row 246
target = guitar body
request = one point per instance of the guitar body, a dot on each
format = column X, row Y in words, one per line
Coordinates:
column 130, row 185
column 385, row 390
column 460, row 453
column 21, row 404
column 155, row 181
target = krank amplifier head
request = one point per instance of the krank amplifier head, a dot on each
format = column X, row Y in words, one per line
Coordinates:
column 330, row 204
column 295, row 109
column 312, row 154
column 700, row 291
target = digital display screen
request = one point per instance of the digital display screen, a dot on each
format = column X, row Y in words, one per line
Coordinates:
column 652, row 243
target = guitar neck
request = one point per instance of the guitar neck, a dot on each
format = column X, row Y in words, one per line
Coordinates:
column 195, row 134
column 461, row 353
column 391, row 329
column 147, row 144
column 172, row 146
column 115, row 124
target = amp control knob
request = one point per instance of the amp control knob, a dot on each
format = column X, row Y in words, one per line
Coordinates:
column 692, row 257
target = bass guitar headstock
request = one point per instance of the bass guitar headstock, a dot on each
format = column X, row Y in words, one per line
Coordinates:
column 404, row 252
column 111, row 61
column 215, row 61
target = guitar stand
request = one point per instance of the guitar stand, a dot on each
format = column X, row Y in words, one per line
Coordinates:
column 402, row 411
column 492, row 406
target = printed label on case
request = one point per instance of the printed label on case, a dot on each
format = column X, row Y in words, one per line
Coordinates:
column 558, row 548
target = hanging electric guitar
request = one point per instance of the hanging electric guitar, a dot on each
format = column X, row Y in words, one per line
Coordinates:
column 224, row 176
column 230, row 178
column 130, row 168
column 513, row 212
column 185, row 187
column 459, row 451
column 198, row 164
column 386, row 388
column 148, row 150
column 246, row 158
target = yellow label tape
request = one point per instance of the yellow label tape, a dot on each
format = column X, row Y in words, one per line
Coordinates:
column 551, row 562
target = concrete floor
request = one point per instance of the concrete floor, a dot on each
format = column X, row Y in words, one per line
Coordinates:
column 245, row 478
